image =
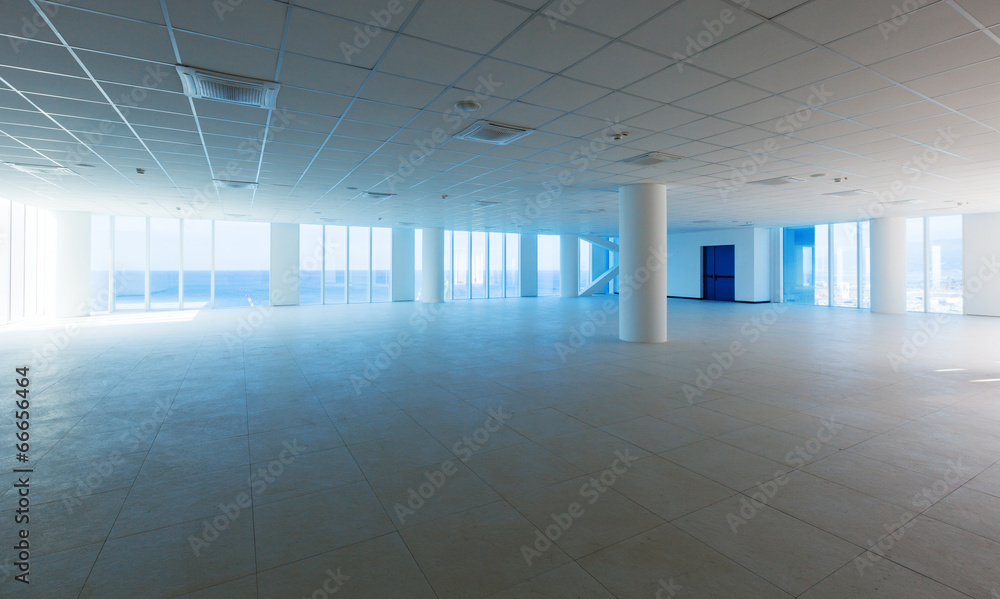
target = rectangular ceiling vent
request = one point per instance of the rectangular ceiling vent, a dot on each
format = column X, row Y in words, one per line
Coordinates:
column 227, row 184
column 778, row 181
column 228, row 88
column 652, row 159
column 39, row 169
column 493, row 133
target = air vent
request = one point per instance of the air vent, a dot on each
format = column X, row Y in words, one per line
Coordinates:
column 482, row 203
column 850, row 193
column 493, row 133
column 226, row 184
column 39, row 169
column 376, row 195
column 652, row 159
column 594, row 211
column 778, row 181
column 228, row 88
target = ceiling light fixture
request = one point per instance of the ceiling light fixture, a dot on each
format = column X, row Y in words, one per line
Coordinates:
column 849, row 193
column 482, row 203
column 209, row 85
column 227, row 184
column 39, row 169
column 377, row 195
column 778, row 181
column 468, row 105
column 652, row 159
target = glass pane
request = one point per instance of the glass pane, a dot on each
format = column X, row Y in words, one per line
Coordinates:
column 418, row 262
column 130, row 263
column 915, row 264
column 461, row 265
column 548, row 265
column 845, row 265
column 946, row 281
column 30, row 261
column 164, row 263
column 798, row 265
column 310, row 264
column 449, row 261
column 381, row 265
column 496, row 265
column 242, row 264
column 513, row 265
column 359, row 238
column 821, row 265
column 336, row 264
column 4, row 260
column 16, row 261
column 478, row 275
column 100, row 261
column 586, row 267
column 197, row 264
column 866, row 265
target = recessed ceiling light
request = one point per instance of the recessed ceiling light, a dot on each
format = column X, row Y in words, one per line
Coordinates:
column 849, row 193
column 468, row 105
column 778, row 181
column 39, row 169
column 482, row 203
column 85, row 165
column 377, row 195
column 226, row 184
column 652, row 159
column 817, row 175
column 594, row 211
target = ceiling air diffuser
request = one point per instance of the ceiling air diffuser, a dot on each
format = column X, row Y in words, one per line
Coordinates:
column 652, row 159
column 228, row 88
column 493, row 133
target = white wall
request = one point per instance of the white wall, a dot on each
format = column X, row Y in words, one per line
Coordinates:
column 753, row 262
column 68, row 252
column 284, row 264
column 981, row 262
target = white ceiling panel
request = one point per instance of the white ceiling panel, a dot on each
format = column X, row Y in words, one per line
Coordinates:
column 543, row 46
column 474, row 25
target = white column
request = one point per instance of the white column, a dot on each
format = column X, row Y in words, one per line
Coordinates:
column 888, row 270
column 569, row 265
column 403, row 262
column 284, row 264
column 529, row 265
column 432, row 277
column 68, row 273
column 643, row 230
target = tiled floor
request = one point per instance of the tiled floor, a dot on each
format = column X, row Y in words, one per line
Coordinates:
column 373, row 451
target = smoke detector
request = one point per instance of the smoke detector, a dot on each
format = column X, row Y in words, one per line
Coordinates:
column 493, row 133
column 652, row 159
column 209, row 85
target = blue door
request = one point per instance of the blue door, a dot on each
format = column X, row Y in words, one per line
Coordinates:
column 719, row 269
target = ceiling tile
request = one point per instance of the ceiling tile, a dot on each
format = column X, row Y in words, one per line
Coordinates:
column 986, row 12
column 398, row 90
column 365, row 12
column 755, row 49
column 93, row 31
column 427, row 61
column 226, row 57
column 548, row 48
column 946, row 56
column 321, row 75
column 617, row 65
column 691, row 26
column 617, row 107
column 803, row 69
column 724, row 97
column 258, row 22
column 475, row 25
column 562, row 93
column 607, row 17
column 501, row 79
column 338, row 40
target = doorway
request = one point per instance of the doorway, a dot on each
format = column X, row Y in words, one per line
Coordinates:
column 719, row 268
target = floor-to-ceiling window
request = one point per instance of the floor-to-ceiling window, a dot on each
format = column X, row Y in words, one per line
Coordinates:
column 5, row 241
column 381, row 275
column 418, row 263
column 548, row 265
column 513, row 251
column 496, row 262
column 31, row 262
column 821, row 254
column 359, row 259
column 242, row 264
column 449, row 265
column 845, row 265
column 130, row 263
column 586, row 264
column 865, row 263
column 460, row 284
column 827, row 265
column 335, row 281
column 915, row 265
column 310, row 264
column 477, row 266
column 934, row 277
column 100, row 263
column 164, row 263
column 197, row 289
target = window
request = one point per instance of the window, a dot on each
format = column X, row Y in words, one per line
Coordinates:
column 513, row 283
column 548, row 265
column 845, row 265
column 164, row 263
column 821, row 265
column 100, row 263
column 31, row 277
column 865, row 265
column 418, row 263
column 381, row 265
column 460, row 287
column 197, row 275
column 449, row 265
column 242, row 264
column 915, row 265
column 5, row 208
column 336, row 265
column 359, row 239
column 310, row 264
column 946, row 276
column 496, row 278
column 586, row 264
column 477, row 276
column 130, row 263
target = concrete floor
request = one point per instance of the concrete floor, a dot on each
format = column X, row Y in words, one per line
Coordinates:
column 371, row 451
